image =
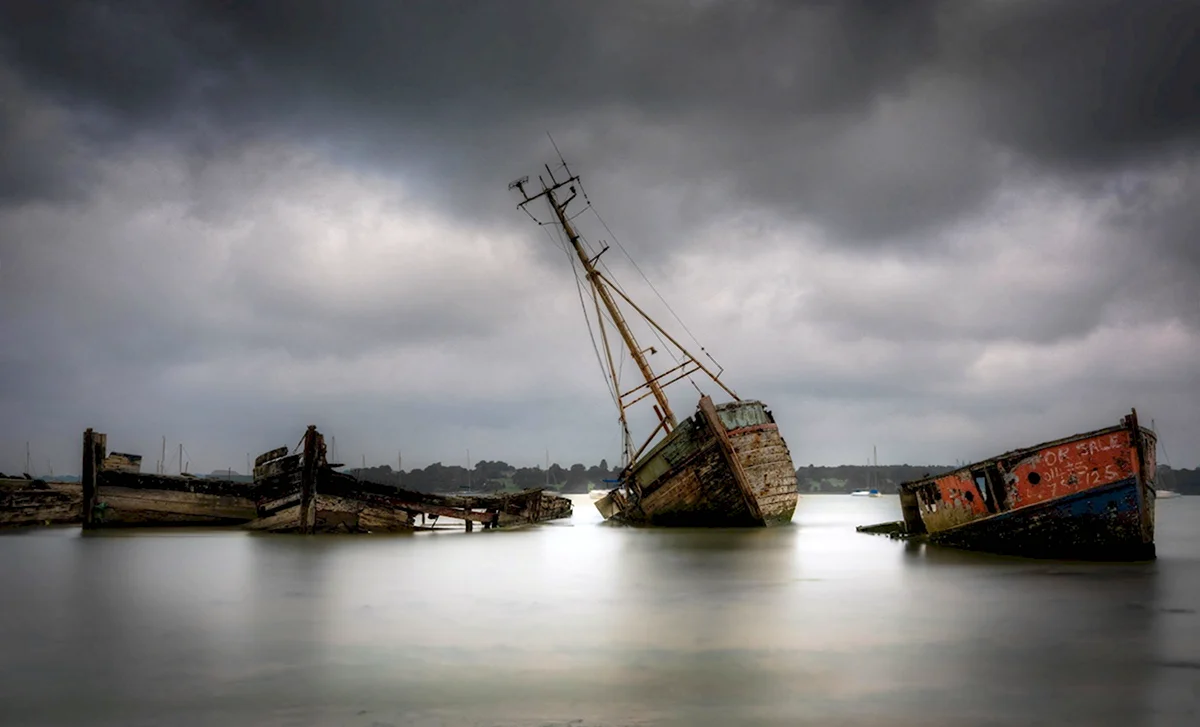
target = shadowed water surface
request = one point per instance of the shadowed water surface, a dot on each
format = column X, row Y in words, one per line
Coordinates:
column 579, row 623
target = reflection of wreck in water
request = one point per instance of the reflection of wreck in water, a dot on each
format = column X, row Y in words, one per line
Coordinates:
column 725, row 465
column 303, row 493
column 1086, row 496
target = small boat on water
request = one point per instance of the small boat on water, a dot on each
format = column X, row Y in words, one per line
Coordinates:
column 725, row 464
column 1167, row 494
column 1088, row 496
column 866, row 493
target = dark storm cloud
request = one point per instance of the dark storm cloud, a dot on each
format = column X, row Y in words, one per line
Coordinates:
column 771, row 98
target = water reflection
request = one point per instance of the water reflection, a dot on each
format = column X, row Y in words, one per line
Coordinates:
column 810, row 624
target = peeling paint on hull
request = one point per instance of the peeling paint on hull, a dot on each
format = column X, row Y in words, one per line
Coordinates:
column 693, row 479
column 1102, row 523
column 1087, row 496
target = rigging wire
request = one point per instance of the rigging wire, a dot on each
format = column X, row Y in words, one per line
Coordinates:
column 652, row 287
column 587, row 318
column 594, row 255
column 665, row 346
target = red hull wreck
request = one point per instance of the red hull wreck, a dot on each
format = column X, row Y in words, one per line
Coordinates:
column 1088, row 496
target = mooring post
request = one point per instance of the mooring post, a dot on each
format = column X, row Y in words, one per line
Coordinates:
column 308, row 481
column 94, row 446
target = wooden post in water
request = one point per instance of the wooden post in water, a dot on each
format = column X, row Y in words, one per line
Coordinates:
column 94, row 450
column 308, row 482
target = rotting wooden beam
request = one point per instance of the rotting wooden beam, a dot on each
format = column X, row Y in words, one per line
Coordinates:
column 95, row 445
column 308, row 482
column 731, row 457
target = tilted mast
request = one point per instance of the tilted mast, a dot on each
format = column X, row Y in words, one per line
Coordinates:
column 601, row 286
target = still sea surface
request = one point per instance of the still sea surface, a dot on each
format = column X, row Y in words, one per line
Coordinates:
column 578, row 623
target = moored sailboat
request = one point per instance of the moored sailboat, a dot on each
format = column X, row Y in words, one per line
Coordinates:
column 724, row 465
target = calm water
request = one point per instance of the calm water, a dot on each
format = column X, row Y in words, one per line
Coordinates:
column 584, row 624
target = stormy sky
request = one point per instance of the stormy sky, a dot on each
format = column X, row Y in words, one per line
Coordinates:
column 946, row 229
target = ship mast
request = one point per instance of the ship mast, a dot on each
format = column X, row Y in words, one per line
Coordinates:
column 603, row 295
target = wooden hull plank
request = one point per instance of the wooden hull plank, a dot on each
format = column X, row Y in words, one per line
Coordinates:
column 725, row 466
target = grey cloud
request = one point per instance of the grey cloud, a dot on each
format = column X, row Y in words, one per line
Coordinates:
column 783, row 100
column 874, row 127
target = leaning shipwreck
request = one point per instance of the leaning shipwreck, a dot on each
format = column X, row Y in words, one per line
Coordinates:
column 725, row 465
column 1087, row 496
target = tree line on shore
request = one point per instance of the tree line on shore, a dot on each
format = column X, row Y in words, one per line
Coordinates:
column 495, row 476
column 488, row 476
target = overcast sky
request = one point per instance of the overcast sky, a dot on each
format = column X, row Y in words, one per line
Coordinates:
column 945, row 229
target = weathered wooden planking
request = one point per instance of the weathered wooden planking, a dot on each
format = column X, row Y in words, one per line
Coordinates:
column 302, row 493
column 34, row 502
column 724, row 466
column 268, row 456
column 730, row 458
column 140, row 506
column 277, row 467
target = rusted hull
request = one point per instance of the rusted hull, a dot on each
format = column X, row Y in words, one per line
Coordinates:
column 726, row 466
column 1103, row 523
column 26, row 502
column 302, row 493
column 1086, row 496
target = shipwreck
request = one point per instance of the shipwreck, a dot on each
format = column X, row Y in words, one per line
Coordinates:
column 726, row 464
column 116, row 493
column 302, row 492
column 1087, row 496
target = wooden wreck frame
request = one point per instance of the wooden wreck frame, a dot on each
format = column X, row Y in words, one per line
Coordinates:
column 301, row 492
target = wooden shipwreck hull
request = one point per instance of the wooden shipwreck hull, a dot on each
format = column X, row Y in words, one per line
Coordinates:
column 27, row 501
column 725, row 465
column 1088, row 496
column 302, row 493
column 116, row 494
